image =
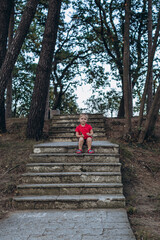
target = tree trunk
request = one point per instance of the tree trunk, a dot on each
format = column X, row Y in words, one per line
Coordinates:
column 2, row 118
column 121, row 111
column 126, row 78
column 5, row 10
column 57, row 97
column 150, row 82
column 130, row 95
column 58, row 101
column 9, row 85
column 14, row 49
column 151, row 118
column 46, row 117
column 150, row 64
column 37, row 111
column 106, row 38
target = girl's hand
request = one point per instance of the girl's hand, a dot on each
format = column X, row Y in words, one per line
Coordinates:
column 90, row 133
column 80, row 136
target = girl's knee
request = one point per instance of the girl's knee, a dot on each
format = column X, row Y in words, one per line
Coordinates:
column 81, row 139
column 89, row 139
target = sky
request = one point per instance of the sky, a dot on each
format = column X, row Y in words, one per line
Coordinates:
column 83, row 93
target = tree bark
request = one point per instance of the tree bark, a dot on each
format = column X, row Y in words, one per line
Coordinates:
column 58, row 100
column 126, row 78
column 46, row 117
column 151, row 118
column 37, row 111
column 9, row 85
column 150, row 82
column 150, row 64
column 121, row 111
column 5, row 10
column 2, row 118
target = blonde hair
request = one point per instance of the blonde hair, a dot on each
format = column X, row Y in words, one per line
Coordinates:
column 84, row 114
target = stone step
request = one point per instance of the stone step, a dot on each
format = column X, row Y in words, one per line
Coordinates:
column 76, row 116
column 70, row 147
column 62, row 129
column 72, row 177
column 69, row 189
column 73, row 134
column 75, row 123
column 69, row 202
column 73, row 139
column 73, row 167
column 74, row 158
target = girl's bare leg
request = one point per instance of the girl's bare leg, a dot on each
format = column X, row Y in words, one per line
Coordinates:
column 81, row 141
column 89, row 143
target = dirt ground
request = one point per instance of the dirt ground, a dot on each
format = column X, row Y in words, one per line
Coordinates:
column 141, row 179
column 140, row 171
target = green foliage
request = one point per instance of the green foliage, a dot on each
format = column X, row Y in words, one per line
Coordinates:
column 25, row 70
column 107, row 103
column 83, row 52
column 108, row 40
column 23, row 83
column 69, row 106
column 131, row 210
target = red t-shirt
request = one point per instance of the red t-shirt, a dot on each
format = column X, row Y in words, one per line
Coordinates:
column 84, row 130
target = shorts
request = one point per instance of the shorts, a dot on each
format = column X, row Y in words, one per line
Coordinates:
column 85, row 141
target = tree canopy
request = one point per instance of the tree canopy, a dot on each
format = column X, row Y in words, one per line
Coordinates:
column 90, row 47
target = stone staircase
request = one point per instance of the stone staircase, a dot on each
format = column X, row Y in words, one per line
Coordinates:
column 62, row 128
column 59, row 178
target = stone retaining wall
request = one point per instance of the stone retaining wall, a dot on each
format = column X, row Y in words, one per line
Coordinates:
column 114, row 126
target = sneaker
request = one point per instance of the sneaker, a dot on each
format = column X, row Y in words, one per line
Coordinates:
column 79, row 151
column 90, row 151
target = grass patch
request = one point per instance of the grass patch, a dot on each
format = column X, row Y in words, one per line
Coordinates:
column 142, row 234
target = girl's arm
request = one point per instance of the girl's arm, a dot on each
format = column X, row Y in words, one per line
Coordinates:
column 90, row 133
column 78, row 135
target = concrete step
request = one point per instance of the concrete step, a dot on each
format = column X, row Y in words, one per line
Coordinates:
column 76, row 116
column 73, row 139
column 75, row 123
column 73, row 167
column 69, row 188
column 74, row 158
column 69, row 202
column 72, row 177
column 70, row 147
column 66, row 129
column 73, row 134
